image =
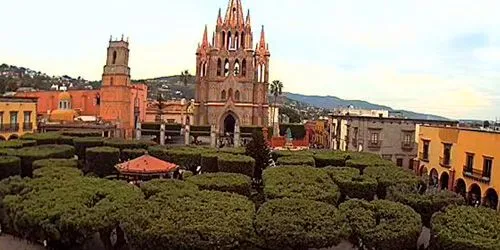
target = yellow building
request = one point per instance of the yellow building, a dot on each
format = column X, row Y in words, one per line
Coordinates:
column 17, row 116
column 64, row 113
column 462, row 160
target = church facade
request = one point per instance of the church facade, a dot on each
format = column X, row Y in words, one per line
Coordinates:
column 232, row 77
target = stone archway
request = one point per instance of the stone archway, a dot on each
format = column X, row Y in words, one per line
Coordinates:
column 13, row 137
column 461, row 187
column 229, row 124
column 491, row 199
column 434, row 178
column 2, row 138
column 474, row 195
column 443, row 181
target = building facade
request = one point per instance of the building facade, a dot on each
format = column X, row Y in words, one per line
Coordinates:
column 232, row 77
column 462, row 160
column 172, row 111
column 17, row 117
column 394, row 139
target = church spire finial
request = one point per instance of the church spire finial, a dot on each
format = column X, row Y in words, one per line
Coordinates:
column 219, row 17
column 234, row 13
column 204, row 43
column 262, row 42
column 247, row 22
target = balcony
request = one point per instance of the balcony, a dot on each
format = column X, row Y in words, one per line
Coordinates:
column 407, row 145
column 423, row 156
column 475, row 174
column 445, row 162
column 375, row 144
column 9, row 127
column 27, row 126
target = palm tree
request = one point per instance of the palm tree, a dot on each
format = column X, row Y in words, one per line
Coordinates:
column 276, row 89
column 185, row 75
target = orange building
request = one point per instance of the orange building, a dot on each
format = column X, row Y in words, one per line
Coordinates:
column 180, row 112
column 118, row 102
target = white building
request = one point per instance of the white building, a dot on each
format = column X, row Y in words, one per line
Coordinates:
column 361, row 112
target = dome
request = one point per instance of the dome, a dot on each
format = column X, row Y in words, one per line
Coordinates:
column 63, row 96
column 62, row 115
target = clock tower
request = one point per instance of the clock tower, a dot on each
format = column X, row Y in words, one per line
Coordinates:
column 115, row 106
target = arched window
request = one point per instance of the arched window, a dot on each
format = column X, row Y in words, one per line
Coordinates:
column 229, row 40
column 243, row 40
column 223, row 38
column 237, row 95
column 230, row 94
column 244, row 67
column 236, row 40
column 258, row 73
column 223, row 95
column 114, row 57
column 226, row 68
column 201, row 69
column 219, row 67
column 111, row 81
column 236, row 68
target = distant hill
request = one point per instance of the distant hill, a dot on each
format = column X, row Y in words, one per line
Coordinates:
column 331, row 102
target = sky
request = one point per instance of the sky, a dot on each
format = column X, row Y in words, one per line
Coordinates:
column 440, row 57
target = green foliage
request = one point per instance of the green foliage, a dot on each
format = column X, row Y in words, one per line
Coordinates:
column 9, row 166
column 81, row 144
column 464, row 228
column 102, row 160
column 11, row 144
column 30, row 154
column 425, row 204
column 300, row 182
column 361, row 161
column 64, row 163
column 298, row 130
column 187, row 157
column 27, row 143
column 68, row 140
column 332, row 158
column 234, row 151
column 223, row 182
column 82, row 133
column 381, row 224
column 276, row 154
column 352, row 184
column 209, row 162
column 296, row 160
column 239, row 164
column 300, row 224
column 388, row 176
column 258, row 149
column 130, row 154
column 128, row 144
column 191, row 220
column 57, row 173
column 43, row 138
column 8, row 151
column 167, row 186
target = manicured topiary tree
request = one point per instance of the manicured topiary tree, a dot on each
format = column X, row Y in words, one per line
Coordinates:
column 258, row 149
column 236, row 151
column 30, row 154
column 27, row 143
column 160, row 152
column 11, row 144
column 130, row 154
column 361, row 160
column 128, row 144
column 81, row 145
column 382, row 224
column 57, row 173
column 239, row 164
column 8, row 151
column 296, row 160
column 9, row 166
column 43, row 138
column 68, row 140
column 300, row 182
column 65, row 163
column 425, row 204
column 209, row 162
column 223, row 182
column 102, row 160
column 464, row 228
column 353, row 185
column 325, row 159
column 167, row 186
column 300, row 224
column 82, row 133
column 188, row 158
column 388, row 176
column 276, row 154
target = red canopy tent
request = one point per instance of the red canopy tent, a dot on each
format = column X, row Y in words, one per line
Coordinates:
column 145, row 165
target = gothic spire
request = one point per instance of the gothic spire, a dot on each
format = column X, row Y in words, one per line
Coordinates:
column 262, row 42
column 204, row 43
column 219, row 18
column 234, row 13
column 247, row 22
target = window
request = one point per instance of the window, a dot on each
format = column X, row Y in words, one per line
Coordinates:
column 236, row 68
column 114, row 57
column 13, row 117
column 229, row 40
column 230, row 93
column 425, row 154
column 219, row 67
column 226, row 68
column 170, row 120
column 237, row 95
column 1, row 118
column 446, row 154
column 98, row 100
column 111, row 81
column 399, row 162
column 387, row 157
column 223, row 95
column 374, row 138
column 410, row 164
column 243, row 39
column 223, row 39
column 407, row 139
column 236, row 40
column 27, row 116
column 244, row 67
column 487, row 167
column 469, row 162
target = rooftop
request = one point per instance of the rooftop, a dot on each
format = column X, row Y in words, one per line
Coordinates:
column 423, row 121
column 145, row 164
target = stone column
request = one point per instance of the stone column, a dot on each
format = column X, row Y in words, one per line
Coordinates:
column 138, row 133
column 162, row 134
column 187, row 137
column 213, row 136
column 237, row 135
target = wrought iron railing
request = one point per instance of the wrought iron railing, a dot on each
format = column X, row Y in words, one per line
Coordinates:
column 9, row 127
column 375, row 144
column 407, row 145
column 476, row 174
column 445, row 162
column 423, row 156
column 27, row 126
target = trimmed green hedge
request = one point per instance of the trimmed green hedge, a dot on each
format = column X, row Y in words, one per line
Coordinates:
column 388, row 176
column 335, row 159
column 208, row 162
column 235, row 151
column 276, row 154
column 166, row 186
column 43, row 138
column 8, row 151
column 191, row 220
column 239, row 164
column 300, row 224
column 130, row 154
column 362, row 160
column 11, row 144
column 82, row 133
column 68, row 140
column 353, row 185
column 57, row 172
column 128, row 144
column 9, row 166
column 425, row 204
column 30, row 154
column 102, row 160
column 300, row 182
column 464, row 228
column 27, row 143
column 187, row 157
column 296, row 160
column 81, row 145
column 64, row 163
column 382, row 224
column 223, row 182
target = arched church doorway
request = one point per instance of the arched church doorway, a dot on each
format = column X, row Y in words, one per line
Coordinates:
column 229, row 125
